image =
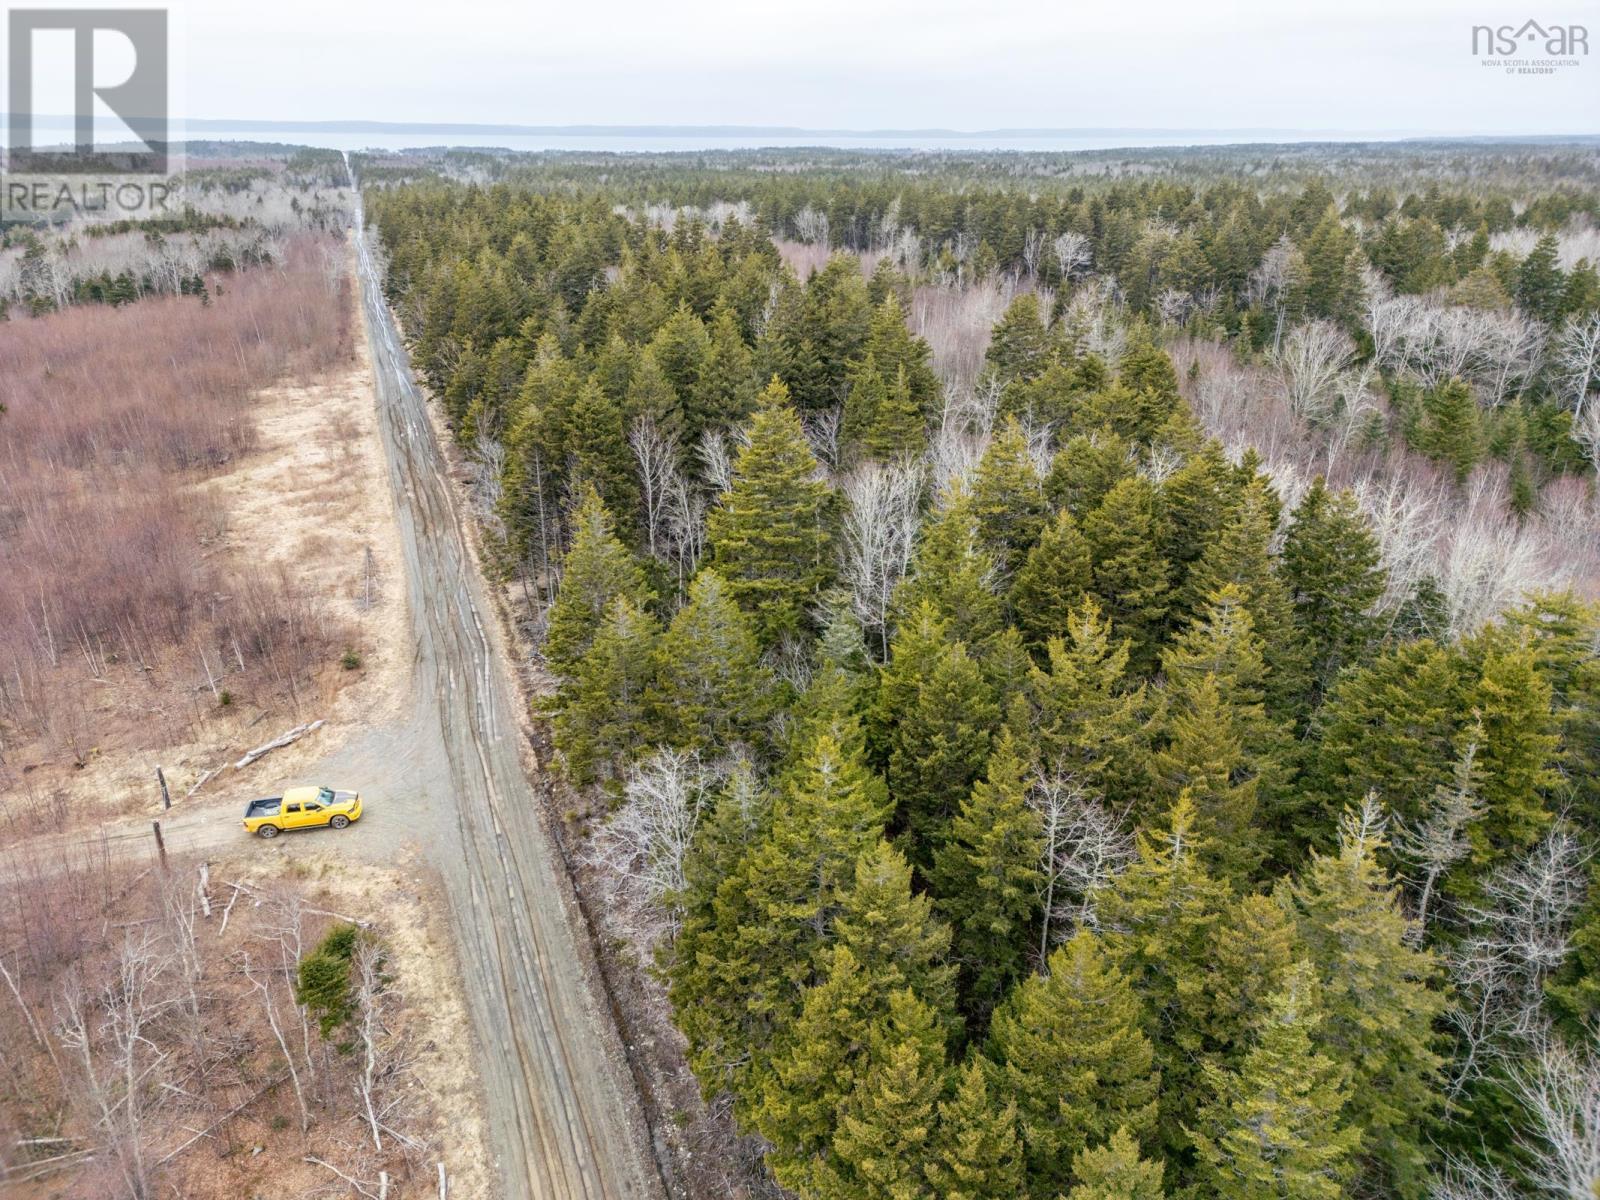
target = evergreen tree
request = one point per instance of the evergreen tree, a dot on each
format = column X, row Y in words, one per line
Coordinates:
column 1451, row 429
column 1069, row 1052
column 893, row 933
column 597, row 569
column 986, row 879
column 602, row 712
column 1252, row 948
column 887, row 1124
column 1381, row 1002
column 1242, row 556
column 1194, row 504
column 1052, row 581
column 1389, row 727
column 1161, row 915
column 1540, row 285
column 681, row 349
column 1081, row 716
column 726, row 392
column 1008, row 498
column 979, row 1155
column 863, row 402
column 939, row 745
column 897, row 350
column 1273, row 1130
column 1020, row 348
column 1331, row 565
column 1116, row 1172
column 768, row 534
column 1513, row 702
column 602, row 458
column 1129, row 576
column 1086, row 469
column 711, row 690
column 953, row 572
column 898, row 432
column 739, row 968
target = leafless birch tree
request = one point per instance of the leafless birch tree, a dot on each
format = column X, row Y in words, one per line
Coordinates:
column 879, row 534
column 1085, row 847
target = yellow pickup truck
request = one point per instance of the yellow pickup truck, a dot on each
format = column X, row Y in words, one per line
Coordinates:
column 301, row 808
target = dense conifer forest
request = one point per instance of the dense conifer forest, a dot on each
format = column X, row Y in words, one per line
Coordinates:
column 1093, row 671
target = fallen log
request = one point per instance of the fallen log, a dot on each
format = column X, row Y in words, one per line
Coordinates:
column 294, row 735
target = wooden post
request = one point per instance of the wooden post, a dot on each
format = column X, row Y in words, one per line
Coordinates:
column 441, row 1182
column 161, row 846
column 166, row 796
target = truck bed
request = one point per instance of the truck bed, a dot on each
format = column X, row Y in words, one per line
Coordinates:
column 264, row 808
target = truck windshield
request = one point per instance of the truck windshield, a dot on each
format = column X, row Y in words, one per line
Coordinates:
column 324, row 795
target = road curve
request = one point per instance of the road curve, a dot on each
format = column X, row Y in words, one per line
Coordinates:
column 565, row 1119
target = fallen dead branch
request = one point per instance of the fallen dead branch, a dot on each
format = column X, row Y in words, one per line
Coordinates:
column 202, row 781
column 351, row 1180
column 294, row 735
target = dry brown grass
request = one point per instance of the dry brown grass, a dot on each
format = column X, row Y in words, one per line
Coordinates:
column 111, row 417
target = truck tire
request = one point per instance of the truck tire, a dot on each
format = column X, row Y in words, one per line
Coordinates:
column 340, row 821
column 268, row 831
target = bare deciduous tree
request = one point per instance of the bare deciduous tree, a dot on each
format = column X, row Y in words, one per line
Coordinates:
column 646, row 842
column 1085, row 847
column 1439, row 841
column 1313, row 361
column 878, row 535
column 656, row 456
column 1073, row 254
column 1577, row 361
column 1518, row 936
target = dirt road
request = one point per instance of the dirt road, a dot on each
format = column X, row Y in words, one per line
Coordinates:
column 563, row 1112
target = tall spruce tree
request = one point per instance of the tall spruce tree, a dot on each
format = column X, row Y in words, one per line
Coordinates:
column 602, row 712
column 1082, row 715
column 1115, row 1171
column 1160, row 918
column 740, row 968
column 768, row 533
column 1052, row 582
column 1129, row 575
column 597, row 569
column 979, row 1155
column 1008, row 498
column 986, row 881
column 1275, row 1128
column 939, row 745
column 953, row 571
column 1513, row 702
column 711, row 691
column 1332, row 567
column 1380, row 994
column 1069, row 1051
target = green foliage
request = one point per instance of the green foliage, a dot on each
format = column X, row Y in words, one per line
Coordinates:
column 1331, row 567
column 1008, row 498
column 1129, row 576
column 939, row 746
column 596, row 571
column 1381, row 998
column 953, row 572
column 710, row 689
column 1273, row 1129
column 1081, row 714
column 768, row 533
column 1161, row 915
column 322, row 979
column 979, row 1153
column 603, row 709
column 1068, row 1050
column 986, row 879
column 1115, row 1171
column 1052, row 582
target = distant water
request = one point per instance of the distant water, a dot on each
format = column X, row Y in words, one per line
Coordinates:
column 630, row 143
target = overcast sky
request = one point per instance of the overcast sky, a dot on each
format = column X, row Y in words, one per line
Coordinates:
column 1351, row 65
